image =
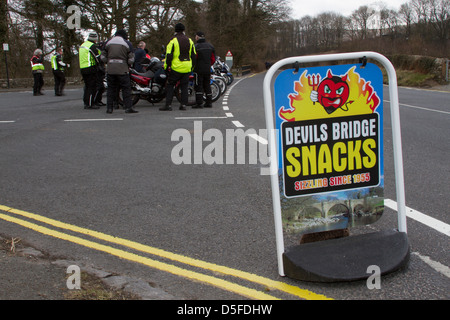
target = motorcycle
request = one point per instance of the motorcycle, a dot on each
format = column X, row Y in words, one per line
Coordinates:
column 215, row 90
column 150, row 84
column 221, row 81
column 222, row 69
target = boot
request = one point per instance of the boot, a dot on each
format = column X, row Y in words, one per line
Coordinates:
column 198, row 100
column 166, row 108
column 208, row 103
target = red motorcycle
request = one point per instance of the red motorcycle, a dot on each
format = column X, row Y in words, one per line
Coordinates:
column 150, row 84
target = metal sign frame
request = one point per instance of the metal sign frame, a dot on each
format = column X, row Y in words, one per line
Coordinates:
column 270, row 123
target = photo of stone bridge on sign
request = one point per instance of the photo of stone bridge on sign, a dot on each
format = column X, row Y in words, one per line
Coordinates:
column 316, row 214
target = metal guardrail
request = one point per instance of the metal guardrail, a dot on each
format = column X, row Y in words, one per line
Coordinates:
column 245, row 70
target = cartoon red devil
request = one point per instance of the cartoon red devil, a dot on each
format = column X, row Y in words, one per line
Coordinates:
column 332, row 93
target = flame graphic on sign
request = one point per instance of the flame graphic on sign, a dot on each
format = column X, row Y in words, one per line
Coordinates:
column 362, row 99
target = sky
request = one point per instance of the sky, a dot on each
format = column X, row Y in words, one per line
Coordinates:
column 301, row 8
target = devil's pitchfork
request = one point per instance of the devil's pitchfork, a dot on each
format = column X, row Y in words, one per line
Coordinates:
column 313, row 81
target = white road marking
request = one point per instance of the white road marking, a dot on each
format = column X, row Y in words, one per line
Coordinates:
column 422, row 218
column 81, row 120
column 238, row 124
column 190, row 118
column 421, row 108
column 258, row 138
column 430, row 222
column 439, row 267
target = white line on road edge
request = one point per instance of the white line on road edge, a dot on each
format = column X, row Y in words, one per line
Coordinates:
column 258, row 138
column 7, row 121
column 190, row 118
column 238, row 124
column 439, row 267
column 421, row 108
column 80, row 120
column 422, row 218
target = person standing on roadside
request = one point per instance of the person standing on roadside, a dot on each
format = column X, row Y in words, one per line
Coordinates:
column 37, row 69
column 180, row 58
column 119, row 57
column 58, row 72
column 88, row 56
column 205, row 59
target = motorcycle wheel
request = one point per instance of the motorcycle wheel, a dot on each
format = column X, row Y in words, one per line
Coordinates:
column 222, row 82
column 215, row 91
column 134, row 98
column 230, row 78
column 191, row 93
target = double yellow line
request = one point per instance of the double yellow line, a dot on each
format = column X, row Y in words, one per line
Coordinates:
column 217, row 282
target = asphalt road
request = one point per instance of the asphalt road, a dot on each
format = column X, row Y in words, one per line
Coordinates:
column 115, row 174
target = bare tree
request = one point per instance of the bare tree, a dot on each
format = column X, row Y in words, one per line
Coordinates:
column 361, row 18
column 440, row 18
column 406, row 16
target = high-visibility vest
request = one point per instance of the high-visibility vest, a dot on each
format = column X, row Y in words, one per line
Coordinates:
column 36, row 66
column 178, row 65
column 87, row 58
column 55, row 64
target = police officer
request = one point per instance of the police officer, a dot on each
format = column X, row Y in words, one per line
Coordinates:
column 58, row 71
column 37, row 69
column 180, row 58
column 88, row 55
column 205, row 59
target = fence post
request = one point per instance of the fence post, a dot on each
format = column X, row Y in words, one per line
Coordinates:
column 447, row 65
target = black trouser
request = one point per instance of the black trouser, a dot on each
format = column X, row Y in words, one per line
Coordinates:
column 203, row 85
column 173, row 78
column 90, row 88
column 60, row 81
column 38, row 82
column 116, row 83
column 100, row 87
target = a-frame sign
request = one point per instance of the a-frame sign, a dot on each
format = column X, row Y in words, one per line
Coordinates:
column 325, row 129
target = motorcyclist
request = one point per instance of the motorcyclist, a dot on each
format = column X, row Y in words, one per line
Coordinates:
column 88, row 56
column 205, row 59
column 119, row 57
column 180, row 58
